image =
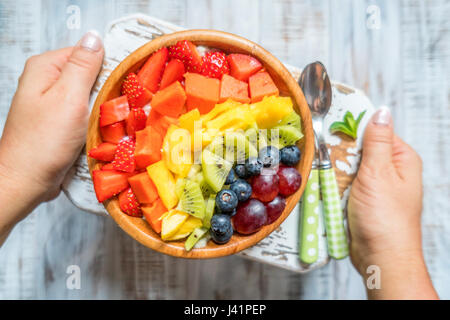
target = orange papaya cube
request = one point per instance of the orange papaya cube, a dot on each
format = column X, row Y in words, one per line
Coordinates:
column 159, row 122
column 202, row 92
column 261, row 85
column 153, row 212
column 170, row 100
column 148, row 147
column 231, row 88
column 143, row 188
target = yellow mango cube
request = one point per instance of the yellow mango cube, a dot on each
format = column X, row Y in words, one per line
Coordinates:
column 164, row 182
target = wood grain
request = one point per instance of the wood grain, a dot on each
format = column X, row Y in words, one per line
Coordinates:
column 404, row 64
column 229, row 43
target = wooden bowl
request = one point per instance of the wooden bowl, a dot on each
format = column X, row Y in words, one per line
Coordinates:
column 229, row 43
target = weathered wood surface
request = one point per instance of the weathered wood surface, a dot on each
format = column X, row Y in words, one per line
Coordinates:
column 403, row 64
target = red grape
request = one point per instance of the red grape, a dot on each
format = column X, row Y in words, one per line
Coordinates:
column 274, row 209
column 265, row 187
column 290, row 180
column 250, row 217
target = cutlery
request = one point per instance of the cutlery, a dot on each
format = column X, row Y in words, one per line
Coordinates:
column 309, row 235
column 316, row 87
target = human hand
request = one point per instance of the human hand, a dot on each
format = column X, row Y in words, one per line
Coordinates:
column 385, row 205
column 47, row 122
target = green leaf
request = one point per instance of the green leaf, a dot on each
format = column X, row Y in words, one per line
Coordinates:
column 348, row 118
column 349, row 126
column 360, row 116
column 342, row 127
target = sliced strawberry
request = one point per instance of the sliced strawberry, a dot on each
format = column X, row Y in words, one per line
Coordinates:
column 173, row 72
column 136, row 121
column 124, row 156
column 129, row 204
column 215, row 64
column 242, row 66
column 104, row 151
column 137, row 95
column 151, row 72
column 114, row 132
column 108, row 183
column 187, row 52
column 114, row 110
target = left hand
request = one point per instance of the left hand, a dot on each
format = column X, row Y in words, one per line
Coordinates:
column 47, row 122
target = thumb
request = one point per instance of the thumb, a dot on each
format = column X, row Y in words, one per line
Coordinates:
column 378, row 139
column 82, row 67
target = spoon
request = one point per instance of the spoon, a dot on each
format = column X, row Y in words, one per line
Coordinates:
column 316, row 87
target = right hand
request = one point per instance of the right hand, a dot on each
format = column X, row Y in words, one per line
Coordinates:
column 385, row 201
column 384, row 212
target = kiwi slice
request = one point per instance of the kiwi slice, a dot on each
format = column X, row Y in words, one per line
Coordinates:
column 286, row 136
column 292, row 119
column 196, row 235
column 204, row 186
column 215, row 169
column 191, row 200
column 238, row 148
column 257, row 137
column 179, row 187
column 195, row 168
column 209, row 211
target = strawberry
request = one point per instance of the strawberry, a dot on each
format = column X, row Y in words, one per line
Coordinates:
column 136, row 121
column 137, row 95
column 104, row 151
column 108, row 183
column 215, row 64
column 151, row 72
column 124, row 156
column 187, row 52
column 174, row 71
column 129, row 204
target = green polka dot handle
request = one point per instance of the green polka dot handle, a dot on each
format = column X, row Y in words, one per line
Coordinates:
column 334, row 218
column 309, row 235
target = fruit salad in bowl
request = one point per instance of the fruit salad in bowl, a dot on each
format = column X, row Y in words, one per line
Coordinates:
column 199, row 144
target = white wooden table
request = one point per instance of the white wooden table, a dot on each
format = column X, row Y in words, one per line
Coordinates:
column 403, row 62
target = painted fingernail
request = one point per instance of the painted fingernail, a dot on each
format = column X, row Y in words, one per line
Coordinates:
column 382, row 116
column 91, row 41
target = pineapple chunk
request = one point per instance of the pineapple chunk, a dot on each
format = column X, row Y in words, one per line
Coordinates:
column 239, row 117
column 172, row 222
column 164, row 182
column 177, row 150
column 187, row 120
column 186, row 228
column 269, row 112
column 219, row 109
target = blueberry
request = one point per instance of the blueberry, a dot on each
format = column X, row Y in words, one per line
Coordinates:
column 226, row 200
column 231, row 177
column 241, row 172
column 269, row 156
column 221, row 228
column 242, row 189
column 290, row 155
column 253, row 166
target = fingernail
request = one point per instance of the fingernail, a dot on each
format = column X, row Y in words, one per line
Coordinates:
column 382, row 116
column 91, row 41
